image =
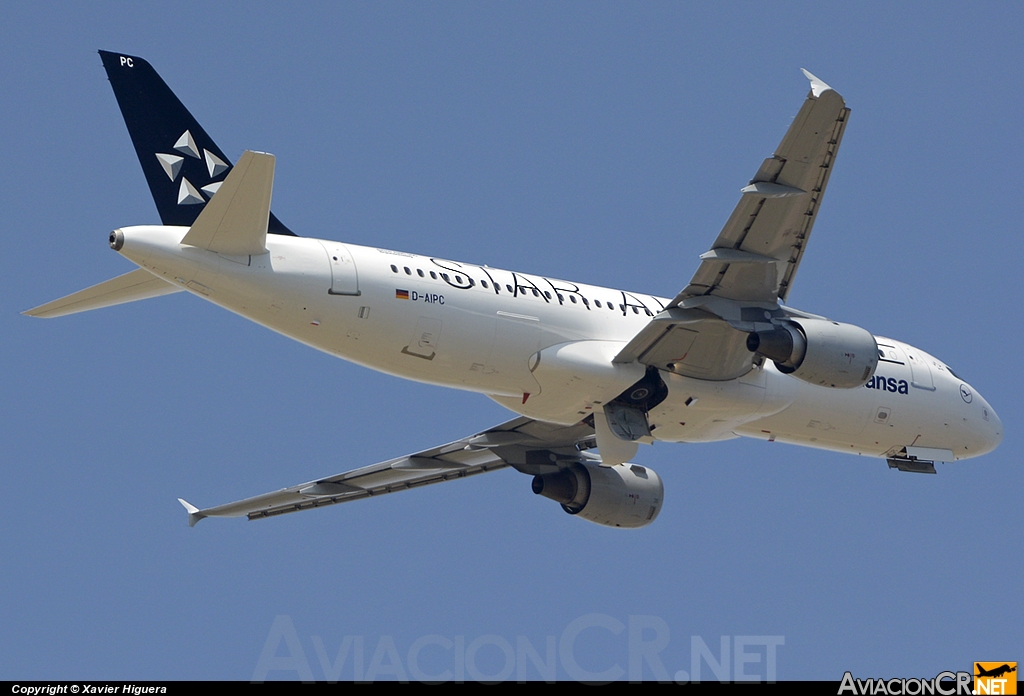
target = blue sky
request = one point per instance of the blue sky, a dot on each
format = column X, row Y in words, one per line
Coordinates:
column 599, row 142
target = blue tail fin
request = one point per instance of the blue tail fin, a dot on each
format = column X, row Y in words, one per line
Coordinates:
column 182, row 164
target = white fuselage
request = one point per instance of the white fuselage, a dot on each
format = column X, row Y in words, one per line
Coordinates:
column 544, row 347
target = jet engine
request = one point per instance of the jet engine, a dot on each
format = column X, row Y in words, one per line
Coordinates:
column 626, row 495
column 819, row 351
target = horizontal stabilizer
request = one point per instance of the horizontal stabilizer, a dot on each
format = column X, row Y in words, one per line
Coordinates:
column 235, row 220
column 140, row 284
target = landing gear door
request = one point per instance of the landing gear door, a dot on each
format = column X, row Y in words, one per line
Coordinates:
column 344, row 279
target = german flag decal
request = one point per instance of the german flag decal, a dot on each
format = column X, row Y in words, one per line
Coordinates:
column 401, row 294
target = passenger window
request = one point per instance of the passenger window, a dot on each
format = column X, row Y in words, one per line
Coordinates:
column 420, row 272
column 407, row 271
column 394, row 268
column 598, row 303
column 433, row 275
column 484, row 283
column 572, row 298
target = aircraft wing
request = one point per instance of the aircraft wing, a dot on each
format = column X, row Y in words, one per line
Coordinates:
column 759, row 250
column 532, row 447
column 752, row 262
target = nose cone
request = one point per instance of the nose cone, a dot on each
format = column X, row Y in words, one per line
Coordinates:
column 986, row 429
column 992, row 428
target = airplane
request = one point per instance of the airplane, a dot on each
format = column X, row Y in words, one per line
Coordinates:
column 995, row 671
column 590, row 372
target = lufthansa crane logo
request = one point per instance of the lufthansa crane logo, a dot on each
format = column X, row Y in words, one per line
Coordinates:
column 965, row 394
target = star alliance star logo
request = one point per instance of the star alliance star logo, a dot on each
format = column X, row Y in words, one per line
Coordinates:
column 188, row 194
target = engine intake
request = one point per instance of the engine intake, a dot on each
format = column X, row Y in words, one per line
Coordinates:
column 819, row 351
column 626, row 495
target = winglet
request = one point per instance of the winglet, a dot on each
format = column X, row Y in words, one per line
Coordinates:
column 193, row 512
column 817, row 85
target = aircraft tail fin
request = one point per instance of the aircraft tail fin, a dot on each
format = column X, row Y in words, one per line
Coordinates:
column 182, row 164
column 140, row 284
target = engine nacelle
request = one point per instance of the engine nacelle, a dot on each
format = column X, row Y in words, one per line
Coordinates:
column 819, row 351
column 626, row 495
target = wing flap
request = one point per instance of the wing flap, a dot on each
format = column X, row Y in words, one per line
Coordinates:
column 690, row 342
column 362, row 483
column 139, row 284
